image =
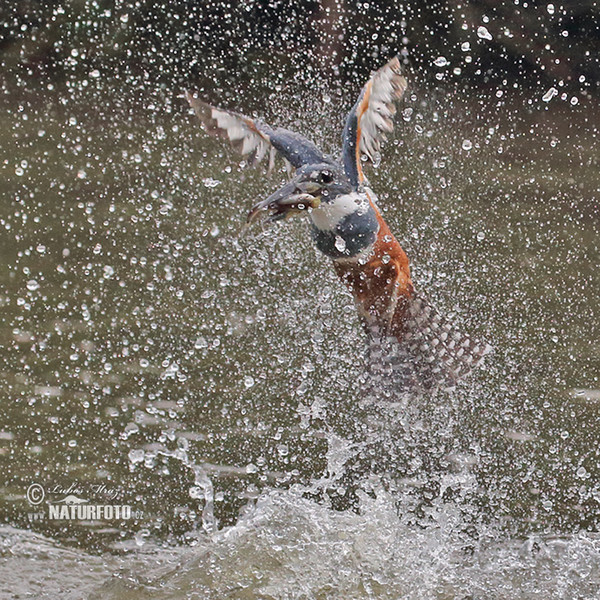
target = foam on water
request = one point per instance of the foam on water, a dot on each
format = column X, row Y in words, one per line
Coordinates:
column 288, row 546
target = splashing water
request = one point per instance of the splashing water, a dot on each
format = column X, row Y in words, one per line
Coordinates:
column 289, row 546
column 217, row 383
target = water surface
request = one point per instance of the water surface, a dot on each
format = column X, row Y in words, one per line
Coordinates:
column 210, row 379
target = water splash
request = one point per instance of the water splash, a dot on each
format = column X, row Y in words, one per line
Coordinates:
column 289, row 546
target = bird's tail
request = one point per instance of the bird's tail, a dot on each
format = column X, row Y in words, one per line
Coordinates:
column 430, row 352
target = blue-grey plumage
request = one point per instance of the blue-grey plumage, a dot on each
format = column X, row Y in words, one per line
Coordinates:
column 345, row 227
column 352, row 236
column 252, row 136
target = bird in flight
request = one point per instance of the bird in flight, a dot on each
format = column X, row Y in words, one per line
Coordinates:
column 410, row 342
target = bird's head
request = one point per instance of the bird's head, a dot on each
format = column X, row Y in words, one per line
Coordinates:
column 311, row 186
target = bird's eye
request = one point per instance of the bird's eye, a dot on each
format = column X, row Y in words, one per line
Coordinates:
column 326, row 177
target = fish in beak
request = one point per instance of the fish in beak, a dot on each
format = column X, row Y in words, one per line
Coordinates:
column 293, row 198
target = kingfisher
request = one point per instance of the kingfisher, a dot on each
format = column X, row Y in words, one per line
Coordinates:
column 409, row 340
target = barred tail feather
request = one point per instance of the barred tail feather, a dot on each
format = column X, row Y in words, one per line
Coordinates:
column 430, row 351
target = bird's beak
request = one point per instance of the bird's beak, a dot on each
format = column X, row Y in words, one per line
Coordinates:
column 292, row 198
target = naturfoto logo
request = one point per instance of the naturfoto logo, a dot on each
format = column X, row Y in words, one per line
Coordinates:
column 73, row 506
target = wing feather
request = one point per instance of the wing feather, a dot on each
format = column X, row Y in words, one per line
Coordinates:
column 231, row 126
column 371, row 118
column 254, row 138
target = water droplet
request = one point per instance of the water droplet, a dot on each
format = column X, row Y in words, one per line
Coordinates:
column 550, row 94
column 248, row 381
column 140, row 537
column 33, row 285
column 440, row 61
column 196, row 492
column 550, row 9
column 136, row 456
column 130, row 429
column 483, row 33
column 480, row 236
column 385, row 259
column 467, row 144
column 209, row 182
column 340, row 244
column 283, row 450
column 200, row 343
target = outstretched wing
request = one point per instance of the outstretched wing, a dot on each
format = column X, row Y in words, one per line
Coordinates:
column 253, row 137
column 371, row 118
